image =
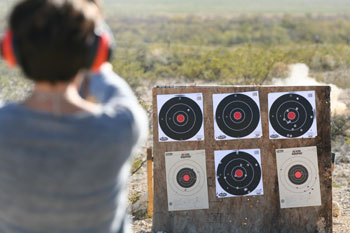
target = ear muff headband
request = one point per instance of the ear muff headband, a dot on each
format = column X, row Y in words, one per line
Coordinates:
column 8, row 50
column 103, row 51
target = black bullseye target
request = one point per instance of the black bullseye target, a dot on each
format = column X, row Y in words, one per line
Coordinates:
column 237, row 115
column 186, row 177
column 238, row 173
column 291, row 115
column 180, row 118
column 298, row 174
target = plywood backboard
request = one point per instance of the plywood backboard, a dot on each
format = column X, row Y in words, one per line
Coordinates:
column 249, row 213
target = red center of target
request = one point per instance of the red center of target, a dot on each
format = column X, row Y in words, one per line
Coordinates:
column 239, row 173
column 237, row 115
column 186, row 178
column 298, row 174
column 291, row 116
column 180, row 118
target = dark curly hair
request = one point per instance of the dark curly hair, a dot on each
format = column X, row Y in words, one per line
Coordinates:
column 53, row 38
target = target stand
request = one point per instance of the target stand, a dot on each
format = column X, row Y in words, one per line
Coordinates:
column 224, row 160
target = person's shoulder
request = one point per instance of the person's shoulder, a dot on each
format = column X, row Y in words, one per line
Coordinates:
column 8, row 115
column 124, row 113
column 129, row 118
column 120, row 112
column 7, row 108
column 2, row 104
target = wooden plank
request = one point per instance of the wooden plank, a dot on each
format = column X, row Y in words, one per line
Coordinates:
column 253, row 213
column 150, row 182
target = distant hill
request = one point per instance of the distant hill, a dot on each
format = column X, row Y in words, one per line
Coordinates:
column 216, row 7
column 228, row 7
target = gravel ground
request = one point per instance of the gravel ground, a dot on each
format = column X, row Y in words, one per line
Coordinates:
column 341, row 194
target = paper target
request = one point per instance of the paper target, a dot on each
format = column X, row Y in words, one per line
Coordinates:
column 186, row 180
column 298, row 177
column 180, row 117
column 238, row 173
column 292, row 115
column 237, row 115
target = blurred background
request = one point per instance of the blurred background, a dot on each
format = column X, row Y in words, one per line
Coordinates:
column 238, row 42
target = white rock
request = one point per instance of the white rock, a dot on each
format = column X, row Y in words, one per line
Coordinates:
column 141, row 204
column 336, row 211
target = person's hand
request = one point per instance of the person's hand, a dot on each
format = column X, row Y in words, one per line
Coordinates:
column 83, row 83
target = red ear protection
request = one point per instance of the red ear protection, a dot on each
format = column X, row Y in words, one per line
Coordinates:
column 8, row 49
column 101, row 50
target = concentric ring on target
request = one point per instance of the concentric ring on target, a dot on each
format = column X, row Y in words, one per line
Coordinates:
column 298, row 174
column 186, row 177
column 291, row 115
column 238, row 173
column 237, row 115
column 180, row 118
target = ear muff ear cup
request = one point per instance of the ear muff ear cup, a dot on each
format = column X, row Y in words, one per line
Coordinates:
column 8, row 49
column 103, row 51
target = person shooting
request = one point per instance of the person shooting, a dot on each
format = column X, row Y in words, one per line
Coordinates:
column 64, row 161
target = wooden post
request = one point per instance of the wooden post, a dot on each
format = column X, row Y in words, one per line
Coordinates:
column 150, row 182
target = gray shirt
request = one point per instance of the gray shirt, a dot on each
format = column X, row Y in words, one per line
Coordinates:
column 68, row 174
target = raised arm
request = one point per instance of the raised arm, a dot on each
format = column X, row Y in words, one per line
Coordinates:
column 113, row 93
column 108, row 88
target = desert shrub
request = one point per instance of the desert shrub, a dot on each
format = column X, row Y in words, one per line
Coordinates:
column 323, row 62
column 244, row 64
column 340, row 126
column 243, row 50
column 215, row 31
column 279, row 70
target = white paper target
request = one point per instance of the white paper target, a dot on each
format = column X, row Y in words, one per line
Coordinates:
column 298, row 177
column 186, row 176
column 237, row 115
column 292, row 115
column 238, row 173
column 180, row 117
